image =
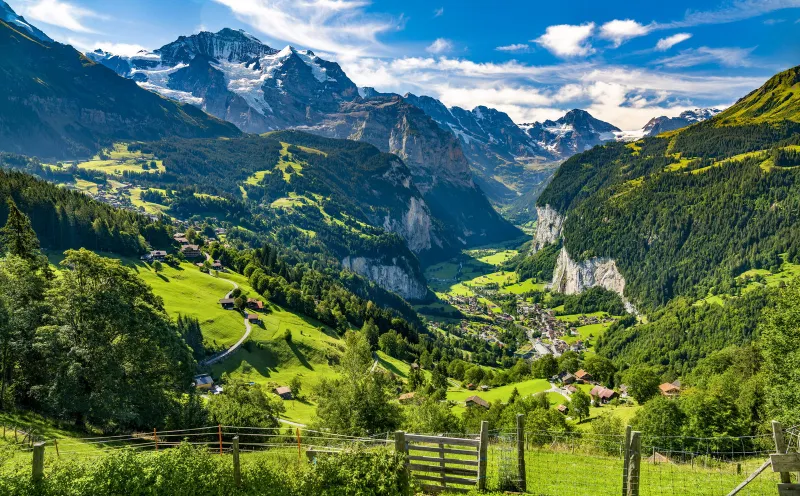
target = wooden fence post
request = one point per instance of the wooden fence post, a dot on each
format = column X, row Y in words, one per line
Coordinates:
column 626, row 460
column 523, row 478
column 482, row 450
column 237, row 469
column 400, row 441
column 635, row 464
column 219, row 430
column 401, row 447
column 38, row 462
column 780, row 447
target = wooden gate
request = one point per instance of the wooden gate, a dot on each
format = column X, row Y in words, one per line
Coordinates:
column 446, row 463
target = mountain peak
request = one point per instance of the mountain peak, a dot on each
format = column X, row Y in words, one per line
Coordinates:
column 18, row 22
column 778, row 99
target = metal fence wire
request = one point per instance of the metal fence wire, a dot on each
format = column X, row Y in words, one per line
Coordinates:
column 540, row 463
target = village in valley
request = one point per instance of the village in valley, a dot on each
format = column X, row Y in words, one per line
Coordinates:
column 480, row 300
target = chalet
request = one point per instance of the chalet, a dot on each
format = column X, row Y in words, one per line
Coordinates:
column 584, row 376
column 217, row 265
column 476, row 401
column 183, row 241
column 159, row 255
column 562, row 409
column 203, row 382
column 405, row 398
column 227, row 303
column 571, row 389
column 178, row 235
column 254, row 304
column 415, row 366
column 484, row 387
column 284, row 392
column 191, row 251
column 568, row 378
column 603, row 394
column 623, row 390
column 471, row 386
column 670, row 390
column 253, row 318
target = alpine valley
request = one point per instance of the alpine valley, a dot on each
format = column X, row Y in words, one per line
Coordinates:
column 220, row 232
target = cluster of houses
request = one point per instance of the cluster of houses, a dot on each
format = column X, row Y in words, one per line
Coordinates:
column 253, row 307
column 205, row 383
column 187, row 249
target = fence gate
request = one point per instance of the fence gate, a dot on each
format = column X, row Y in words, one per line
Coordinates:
column 445, row 463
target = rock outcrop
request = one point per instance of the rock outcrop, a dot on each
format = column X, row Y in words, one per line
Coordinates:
column 548, row 227
column 395, row 276
column 571, row 277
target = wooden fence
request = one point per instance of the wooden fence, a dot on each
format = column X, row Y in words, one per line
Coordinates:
column 469, row 455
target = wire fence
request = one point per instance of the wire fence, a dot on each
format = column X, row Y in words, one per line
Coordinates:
column 540, row 463
column 216, row 439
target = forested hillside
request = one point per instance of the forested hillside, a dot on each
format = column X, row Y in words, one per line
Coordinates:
column 686, row 212
column 66, row 219
column 58, row 103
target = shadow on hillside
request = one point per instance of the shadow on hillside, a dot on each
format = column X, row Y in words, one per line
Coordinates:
column 392, row 368
column 300, row 356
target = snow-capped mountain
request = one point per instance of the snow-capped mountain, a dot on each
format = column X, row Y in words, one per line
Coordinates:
column 658, row 125
column 573, row 133
column 233, row 75
column 18, row 22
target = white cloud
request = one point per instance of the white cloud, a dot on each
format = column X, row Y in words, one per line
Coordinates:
column 620, row 31
column 728, row 57
column 438, row 12
column 336, row 26
column 732, row 11
column 624, row 96
column 665, row 44
column 124, row 49
column 62, row 14
column 566, row 40
column 772, row 22
column 515, row 47
column 440, row 45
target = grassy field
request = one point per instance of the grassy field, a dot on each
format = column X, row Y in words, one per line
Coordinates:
column 187, row 291
column 502, row 393
column 119, row 159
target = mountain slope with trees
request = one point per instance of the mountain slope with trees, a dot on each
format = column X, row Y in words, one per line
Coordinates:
column 57, row 103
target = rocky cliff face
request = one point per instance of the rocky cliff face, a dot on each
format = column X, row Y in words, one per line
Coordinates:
column 571, row 277
column 548, row 227
column 394, row 276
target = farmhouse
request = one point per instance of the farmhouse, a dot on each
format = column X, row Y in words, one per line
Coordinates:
column 670, row 390
column 183, row 241
column 157, row 255
column 203, row 382
column 562, row 409
column 255, row 304
column 284, row 392
column 568, row 378
column 227, row 303
column 253, row 318
column 405, row 398
column 476, row 401
column 603, row 394
column 190, row 251
column 582, row 375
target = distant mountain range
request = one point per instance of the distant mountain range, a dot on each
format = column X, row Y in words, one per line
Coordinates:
column 236, row 77
column 662, row 124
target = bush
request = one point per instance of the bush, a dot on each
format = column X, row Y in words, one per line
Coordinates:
column 190, row 471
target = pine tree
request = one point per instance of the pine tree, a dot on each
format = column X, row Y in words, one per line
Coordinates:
column 18, row 237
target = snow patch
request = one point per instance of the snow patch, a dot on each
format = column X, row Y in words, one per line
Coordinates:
column 181, row 96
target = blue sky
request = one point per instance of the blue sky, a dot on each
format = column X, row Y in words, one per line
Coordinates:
column 624, row 61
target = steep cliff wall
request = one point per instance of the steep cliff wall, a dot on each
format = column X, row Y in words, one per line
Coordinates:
column 548, row 227
column 571, row 277
column 394, row 277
